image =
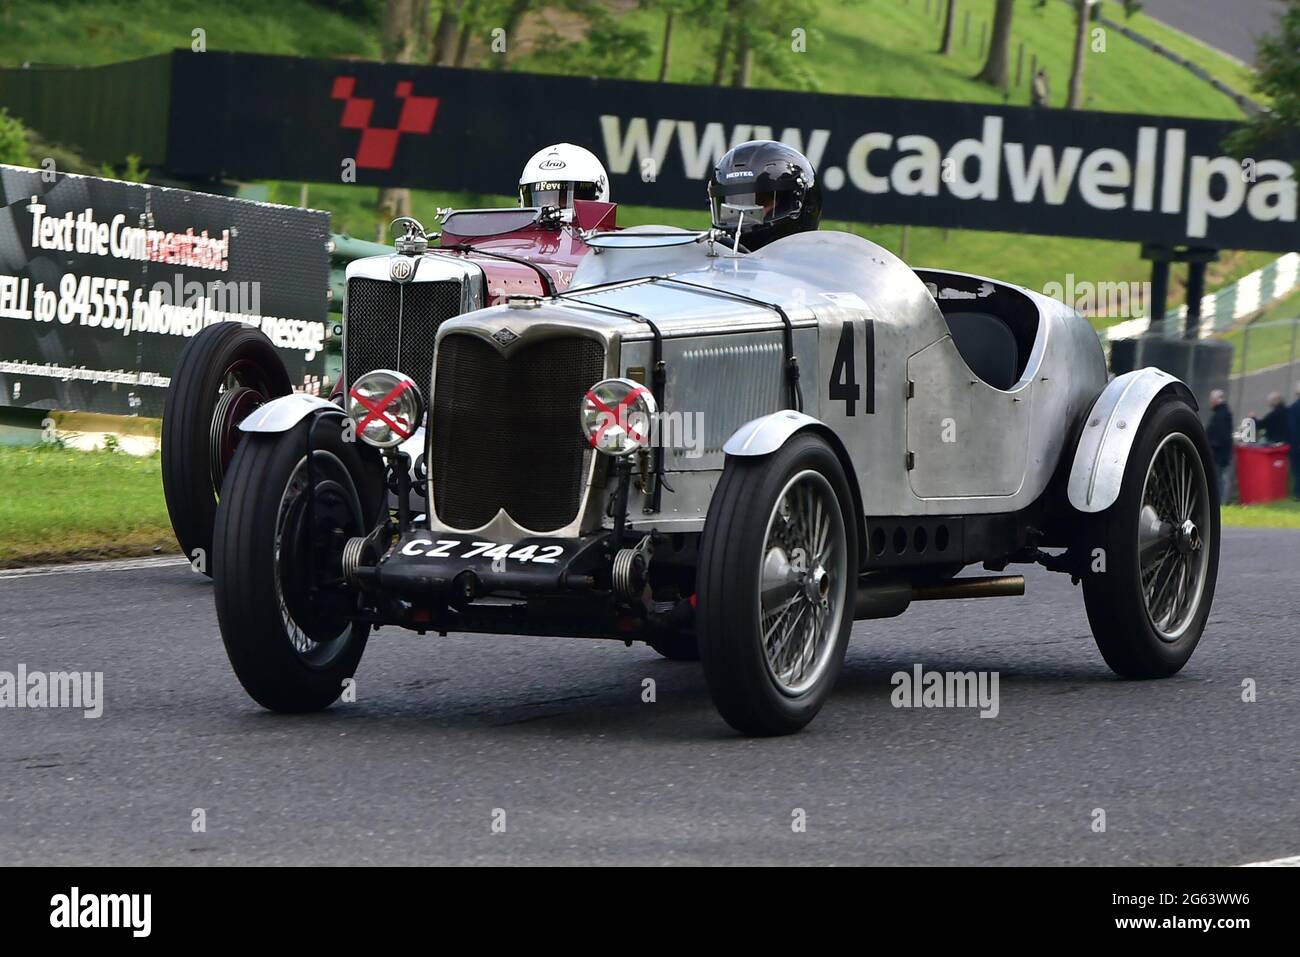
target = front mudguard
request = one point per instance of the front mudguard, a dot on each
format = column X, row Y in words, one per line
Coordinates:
column 1109, row 431
column 282, row 414
column 766, row 434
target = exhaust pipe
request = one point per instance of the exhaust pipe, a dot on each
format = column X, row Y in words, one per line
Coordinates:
column 882, row 599
column 989, row 586
column 888, row 599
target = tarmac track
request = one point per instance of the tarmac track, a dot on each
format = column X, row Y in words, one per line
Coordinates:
column 554, row 733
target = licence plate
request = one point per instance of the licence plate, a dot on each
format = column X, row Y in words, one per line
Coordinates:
column 534, row 551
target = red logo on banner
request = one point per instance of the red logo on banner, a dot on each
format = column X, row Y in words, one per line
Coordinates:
column 378, row 145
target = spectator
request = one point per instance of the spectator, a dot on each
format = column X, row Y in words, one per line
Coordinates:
column 1274, row 427
column 1219, row 432
column 1293, row 421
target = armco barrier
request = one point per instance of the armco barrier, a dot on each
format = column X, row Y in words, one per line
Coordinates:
column 1222, row 309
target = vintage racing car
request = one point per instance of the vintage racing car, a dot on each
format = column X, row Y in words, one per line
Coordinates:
column 725, row 455
column 390, row 317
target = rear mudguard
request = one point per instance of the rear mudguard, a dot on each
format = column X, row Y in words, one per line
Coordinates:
column 1109, row 432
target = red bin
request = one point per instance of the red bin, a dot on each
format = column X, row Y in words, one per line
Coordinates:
column 1262, row 472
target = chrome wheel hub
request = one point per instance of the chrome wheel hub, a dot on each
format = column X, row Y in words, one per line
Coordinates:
column 817, row 585
column 1187, row 538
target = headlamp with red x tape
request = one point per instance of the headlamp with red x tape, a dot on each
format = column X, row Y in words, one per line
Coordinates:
column 617, row 416
column 387, row 408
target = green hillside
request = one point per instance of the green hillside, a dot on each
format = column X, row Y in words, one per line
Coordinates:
column 868, row 47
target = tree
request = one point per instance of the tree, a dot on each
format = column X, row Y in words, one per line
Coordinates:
column 742, row 29
column 447, row 32
column 1083, row 15
column 468, row 17
column 949, row 19
column 13, row 141
column 771, row 35
column 404, row 36
column 404, row 33
column 724, row 42
column 514, row 16
column 1278, row 78
column 666, row 54
column 995, row 71
column 672, row 11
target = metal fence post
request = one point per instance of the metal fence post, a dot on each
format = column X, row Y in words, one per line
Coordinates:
column 1290, row 370
column 1241, row 381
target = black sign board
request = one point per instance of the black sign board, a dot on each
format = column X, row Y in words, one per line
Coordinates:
column 103, row 282
column 924, row 162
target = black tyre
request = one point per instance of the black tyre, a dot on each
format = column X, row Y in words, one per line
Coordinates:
column 223, row 374
column 283, row 611
column 776, row 583
column 1149, row 601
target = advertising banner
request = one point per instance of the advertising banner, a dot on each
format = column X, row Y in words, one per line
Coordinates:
column 1156, row 179
column 103, row 282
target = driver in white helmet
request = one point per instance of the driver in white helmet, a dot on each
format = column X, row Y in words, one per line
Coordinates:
column 559, row 174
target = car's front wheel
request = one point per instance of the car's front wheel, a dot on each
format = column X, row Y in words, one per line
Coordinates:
column 1154, row 554
column 285, row 615
column 776, row 586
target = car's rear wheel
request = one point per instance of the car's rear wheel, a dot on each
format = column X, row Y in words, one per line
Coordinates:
column 1154, row 555
column 776, row 586
column 285, row 614
column 222, row 375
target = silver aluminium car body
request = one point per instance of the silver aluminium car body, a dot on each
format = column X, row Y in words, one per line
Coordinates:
column 926, row 437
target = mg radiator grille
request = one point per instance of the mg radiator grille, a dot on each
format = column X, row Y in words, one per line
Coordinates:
column 372, row 325
column 505, row 429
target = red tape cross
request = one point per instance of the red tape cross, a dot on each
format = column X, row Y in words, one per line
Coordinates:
column 613, row 415
column 379, row 411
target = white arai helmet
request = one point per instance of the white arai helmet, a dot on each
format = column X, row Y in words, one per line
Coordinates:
column 559, row 174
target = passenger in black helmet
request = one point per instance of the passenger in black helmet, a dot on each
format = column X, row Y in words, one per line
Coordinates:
column 764, row 190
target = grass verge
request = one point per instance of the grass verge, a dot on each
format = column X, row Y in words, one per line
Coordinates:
column 1283, row 514
column 58, row 505
column 61, row 505
column 1273, row 339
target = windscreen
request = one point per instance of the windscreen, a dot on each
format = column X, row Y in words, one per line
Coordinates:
column 489, row 222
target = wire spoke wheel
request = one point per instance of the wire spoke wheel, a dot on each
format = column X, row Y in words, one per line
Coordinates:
column 1171, row 548
column 1149, row 599
column 776, row 585
column 804, row 564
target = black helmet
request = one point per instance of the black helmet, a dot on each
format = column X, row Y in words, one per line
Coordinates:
column 775, row 181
